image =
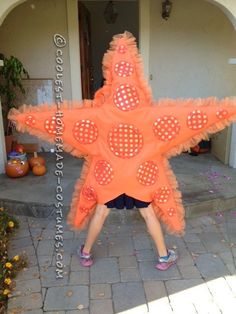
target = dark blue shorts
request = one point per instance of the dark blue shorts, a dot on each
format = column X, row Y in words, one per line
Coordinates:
column 124, row 200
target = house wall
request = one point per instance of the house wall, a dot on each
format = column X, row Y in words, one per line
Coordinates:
column 27, row 33
column 189, row 56
column 189, row 52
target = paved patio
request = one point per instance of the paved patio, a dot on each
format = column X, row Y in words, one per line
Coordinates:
column 123, row 278
column 206, row 184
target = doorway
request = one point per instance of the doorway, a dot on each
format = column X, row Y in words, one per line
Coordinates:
column 99, row 21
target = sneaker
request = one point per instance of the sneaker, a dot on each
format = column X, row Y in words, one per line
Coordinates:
column 84, row 258
column 165, row 262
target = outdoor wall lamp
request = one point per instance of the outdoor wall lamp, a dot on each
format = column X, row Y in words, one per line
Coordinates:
column 166, row 9
column 110, row 13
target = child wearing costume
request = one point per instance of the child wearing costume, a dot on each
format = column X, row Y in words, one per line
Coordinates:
column 123, row 128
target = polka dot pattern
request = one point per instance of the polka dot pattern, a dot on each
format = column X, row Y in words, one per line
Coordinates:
column 222, row 113
column 166, row 128
column 124, row 69
column 162, row 195
column 84, row 210
column 125, row 141
column 147, row 173
column 103, row 172
column 89, row 193
column 171, row 211
column 50, row 125
column 30, row 120
column 196, row 120
column 85, row 131
column 121, row 49
column 126, row 97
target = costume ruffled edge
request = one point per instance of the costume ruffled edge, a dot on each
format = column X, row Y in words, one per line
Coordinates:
column 180, row 211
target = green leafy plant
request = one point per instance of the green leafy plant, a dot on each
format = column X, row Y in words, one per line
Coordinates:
column 11, row 75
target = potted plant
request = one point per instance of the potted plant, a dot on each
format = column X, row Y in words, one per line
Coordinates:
column 11, row 75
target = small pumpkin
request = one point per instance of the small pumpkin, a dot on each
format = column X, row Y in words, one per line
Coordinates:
column 36, row 160
column 17, row 168
column 39, row 170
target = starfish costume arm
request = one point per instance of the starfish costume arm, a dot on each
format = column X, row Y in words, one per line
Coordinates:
column 74, row 125
column 183, row 123
column 178, row 125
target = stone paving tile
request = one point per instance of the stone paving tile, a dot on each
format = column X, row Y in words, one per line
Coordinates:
column 79, row 278
column 196, row 247
column 142, row 242
column 129, row 274
column 105, row 270
column 157, row 298
column 149, row 272
column 100, row 291
column 28, row 273
column 121, row 246
column 66, row 298
column 66, row 259
column 100, row 249
column 75, row 265
column 184, row 257
column 35, row 311
column 145, row 255
column 23, row 287
column 127, row 262
column 24, row 303
column 211, row 266
column 44, row 260
column 27, row 250
column 45, row 247
column 188, row 272
column 49, row 278
column 20, row 243
column 129, row 296
column 84, row 311
column 101, row 306
column 55, row 312
column 191, row 237
column 213, row 242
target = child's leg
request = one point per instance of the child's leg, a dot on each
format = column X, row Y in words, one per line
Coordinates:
column 95, row 226
column 154, row 229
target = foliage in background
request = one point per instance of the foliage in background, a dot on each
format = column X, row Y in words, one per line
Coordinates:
column 11, row 75
column 9, row 267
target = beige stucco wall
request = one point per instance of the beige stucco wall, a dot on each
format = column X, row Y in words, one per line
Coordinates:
column 28, row 34
column 189, row 52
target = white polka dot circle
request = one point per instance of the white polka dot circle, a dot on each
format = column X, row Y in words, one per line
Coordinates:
column 166, row 128
column 125, row 141
column 126, row 97
column 85, row 131
column 162, row 195
column 147, row 173
column 221, row 113
column 196, row 120
column 103, row 172
column 30, row 120
column 124, row 69
column 50, row 125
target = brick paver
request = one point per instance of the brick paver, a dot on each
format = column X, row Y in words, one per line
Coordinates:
column 123, row 278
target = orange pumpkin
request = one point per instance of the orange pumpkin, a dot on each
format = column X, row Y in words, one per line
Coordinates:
column 17, row 168
column 36, row 160
column 39, row 170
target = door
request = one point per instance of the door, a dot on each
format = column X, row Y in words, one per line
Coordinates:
column 85, row 51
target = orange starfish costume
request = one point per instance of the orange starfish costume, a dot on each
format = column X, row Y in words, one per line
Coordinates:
column 126, row 137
